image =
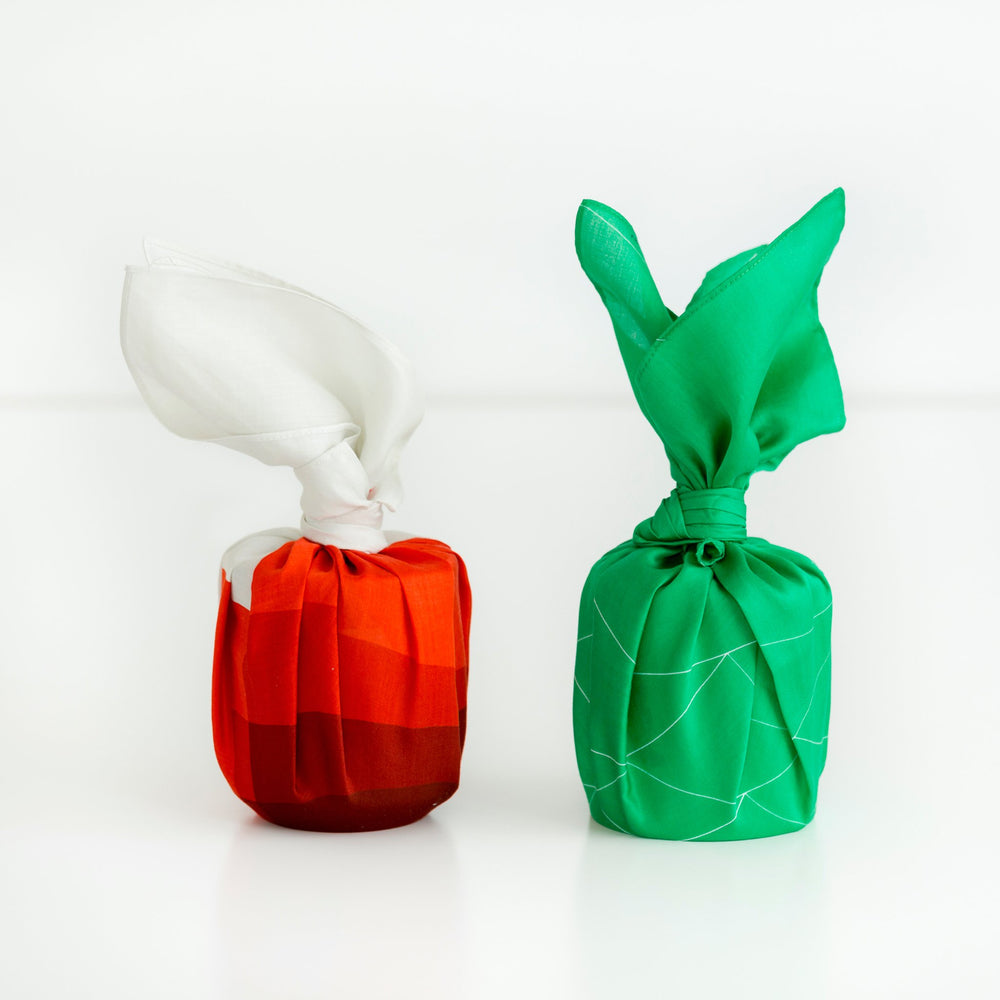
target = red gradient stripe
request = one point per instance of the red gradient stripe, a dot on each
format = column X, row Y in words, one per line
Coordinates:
column 339, row 697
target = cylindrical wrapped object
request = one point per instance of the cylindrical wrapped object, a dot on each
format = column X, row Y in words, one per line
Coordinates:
column 341, row 654
column 702, row 683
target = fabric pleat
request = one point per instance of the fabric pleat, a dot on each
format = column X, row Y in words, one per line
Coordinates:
column 339, row 695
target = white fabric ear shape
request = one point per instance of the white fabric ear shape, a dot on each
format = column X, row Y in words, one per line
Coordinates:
column 221, row 353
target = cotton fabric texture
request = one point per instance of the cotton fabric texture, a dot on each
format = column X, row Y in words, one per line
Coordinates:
column 702, row 684
column 341, row 652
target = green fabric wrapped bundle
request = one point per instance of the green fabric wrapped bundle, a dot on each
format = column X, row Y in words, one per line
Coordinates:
column 702, row 694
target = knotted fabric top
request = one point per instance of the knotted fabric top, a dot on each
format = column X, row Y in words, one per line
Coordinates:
column 225, row 354
column 696, row 514
column 708, row 518
column 745, row 373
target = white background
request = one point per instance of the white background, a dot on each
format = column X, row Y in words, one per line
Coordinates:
column 420, row 165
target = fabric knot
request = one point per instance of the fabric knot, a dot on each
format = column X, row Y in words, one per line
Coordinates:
column 709, row 518
column 720, row 514
column 339, row 506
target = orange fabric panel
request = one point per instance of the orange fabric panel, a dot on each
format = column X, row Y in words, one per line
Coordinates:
column 348, row 674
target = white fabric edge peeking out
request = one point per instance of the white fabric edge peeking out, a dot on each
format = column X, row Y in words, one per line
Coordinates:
column 240, row 560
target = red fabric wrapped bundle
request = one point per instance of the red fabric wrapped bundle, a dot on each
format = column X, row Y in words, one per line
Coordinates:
column 338, row 697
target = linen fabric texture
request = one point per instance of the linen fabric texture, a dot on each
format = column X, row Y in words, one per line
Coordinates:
column 702, row 681
column 341, row 652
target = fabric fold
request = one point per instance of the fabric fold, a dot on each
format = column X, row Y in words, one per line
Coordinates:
column 233, row 356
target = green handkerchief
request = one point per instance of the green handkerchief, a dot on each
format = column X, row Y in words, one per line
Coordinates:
column 702, row 688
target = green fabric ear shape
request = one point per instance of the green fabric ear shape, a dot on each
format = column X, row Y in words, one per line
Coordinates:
column 609, row 253
column 702, row 684
column 745, row 373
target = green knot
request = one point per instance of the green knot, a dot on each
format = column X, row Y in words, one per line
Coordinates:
column 709, row 518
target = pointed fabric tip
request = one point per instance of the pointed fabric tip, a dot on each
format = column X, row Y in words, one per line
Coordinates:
column 609, row 253
column 836, row 201
column 820, row 227
column 607, row 247
column 746, row 373
column 815, row 234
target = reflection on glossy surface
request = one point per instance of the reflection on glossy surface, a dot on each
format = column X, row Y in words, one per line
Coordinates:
column 307, row 914
column 706, row 917
column 129, row 870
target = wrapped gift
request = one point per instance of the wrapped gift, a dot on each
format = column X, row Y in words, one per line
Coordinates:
column 341, row 652
column 702, row 685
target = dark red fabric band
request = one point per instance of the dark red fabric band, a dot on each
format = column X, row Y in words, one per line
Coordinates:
column 339, row 697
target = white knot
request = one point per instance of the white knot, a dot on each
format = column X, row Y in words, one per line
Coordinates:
column 338, row 507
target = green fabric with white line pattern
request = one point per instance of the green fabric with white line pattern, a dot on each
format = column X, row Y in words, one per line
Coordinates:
column 702, row 687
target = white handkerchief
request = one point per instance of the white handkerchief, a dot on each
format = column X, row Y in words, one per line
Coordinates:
column 225, row 354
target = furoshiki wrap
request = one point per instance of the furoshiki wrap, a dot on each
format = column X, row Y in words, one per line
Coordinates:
column 702, row 685
column 341, row 655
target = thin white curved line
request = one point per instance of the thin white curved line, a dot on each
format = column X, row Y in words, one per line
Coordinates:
column 613, row 636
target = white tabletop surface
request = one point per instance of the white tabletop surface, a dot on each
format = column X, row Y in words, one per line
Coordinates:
column 128, row 869
column 420, row 165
